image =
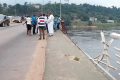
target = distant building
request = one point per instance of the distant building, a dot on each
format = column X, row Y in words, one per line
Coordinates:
column 36, row 5
column 93, row 19
column 110, row 21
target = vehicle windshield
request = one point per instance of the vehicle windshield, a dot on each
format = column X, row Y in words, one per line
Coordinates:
column 1, row 17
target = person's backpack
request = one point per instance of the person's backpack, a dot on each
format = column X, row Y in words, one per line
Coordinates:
column 34, row 20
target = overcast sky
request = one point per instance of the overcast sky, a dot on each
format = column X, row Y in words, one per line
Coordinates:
column 107, row 3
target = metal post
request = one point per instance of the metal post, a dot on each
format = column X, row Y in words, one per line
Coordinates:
column 60, row 9
column 15, row 11
column 15, row 8
column 60, row 14
column 118, row 56
column 43, row 7
column 104, row 57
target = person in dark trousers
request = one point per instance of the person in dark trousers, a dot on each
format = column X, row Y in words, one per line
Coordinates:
column 28, row 25
column 47, row 24
column 34, row 23
column 55, row 24
column 41, row 26
column 58, row 23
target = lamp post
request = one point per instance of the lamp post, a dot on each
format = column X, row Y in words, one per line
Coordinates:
column 15, row 8
column 43, row 7
column 60, row 9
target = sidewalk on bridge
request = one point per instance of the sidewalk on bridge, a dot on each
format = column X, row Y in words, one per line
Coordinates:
column 36, row 71
column 60, row 65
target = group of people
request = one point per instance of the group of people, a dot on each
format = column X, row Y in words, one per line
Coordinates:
column 40, row 24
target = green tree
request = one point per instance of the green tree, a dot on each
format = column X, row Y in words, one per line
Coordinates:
column 1, row 9
column 5, row 5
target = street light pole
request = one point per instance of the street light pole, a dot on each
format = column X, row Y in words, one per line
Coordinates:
column 43, row 7
column 15, row 8
column 60, row 9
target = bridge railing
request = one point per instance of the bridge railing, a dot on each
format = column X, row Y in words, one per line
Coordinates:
column 104, row 57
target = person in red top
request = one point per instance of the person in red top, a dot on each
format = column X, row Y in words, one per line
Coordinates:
column 64, row 30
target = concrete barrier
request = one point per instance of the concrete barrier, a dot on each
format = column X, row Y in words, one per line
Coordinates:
column 36, row 71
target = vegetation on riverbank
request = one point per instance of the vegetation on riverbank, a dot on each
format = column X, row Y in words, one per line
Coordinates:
column 107, row 26
column 78, row 25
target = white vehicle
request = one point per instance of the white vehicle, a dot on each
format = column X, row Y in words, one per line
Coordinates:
column 4, row 20
column 16, row 19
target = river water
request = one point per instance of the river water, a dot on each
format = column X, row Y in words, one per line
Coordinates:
column 90, row 42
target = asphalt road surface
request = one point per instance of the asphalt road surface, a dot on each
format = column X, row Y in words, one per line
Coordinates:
column 16, row 51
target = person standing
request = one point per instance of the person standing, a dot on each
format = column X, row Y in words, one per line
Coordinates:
column 34, row 23
column 47, row 24
column 41, row 25
column 45, row 17
column 64, row 30
column 55, row 24
column 50, row 22
column 28, row 25
column 58, row 23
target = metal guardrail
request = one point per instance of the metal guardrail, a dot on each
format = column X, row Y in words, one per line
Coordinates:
column 101, row 57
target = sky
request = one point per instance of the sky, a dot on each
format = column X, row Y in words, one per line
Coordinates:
column 106, row 3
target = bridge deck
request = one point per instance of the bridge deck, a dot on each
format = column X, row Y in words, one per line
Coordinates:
column 60, row 63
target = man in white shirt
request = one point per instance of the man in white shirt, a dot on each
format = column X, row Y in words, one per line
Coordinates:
column 50, row 22
column 28, row 25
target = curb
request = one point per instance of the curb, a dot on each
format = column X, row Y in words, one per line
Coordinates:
column 37, row 68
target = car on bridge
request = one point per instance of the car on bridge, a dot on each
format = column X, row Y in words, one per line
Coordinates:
column 16, row 19
column 4, row 20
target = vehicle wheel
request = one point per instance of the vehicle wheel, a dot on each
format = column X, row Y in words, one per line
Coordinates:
column 8, row 24
column 3, row 24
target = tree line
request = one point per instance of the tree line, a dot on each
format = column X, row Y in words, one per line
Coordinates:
column 69, row 11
